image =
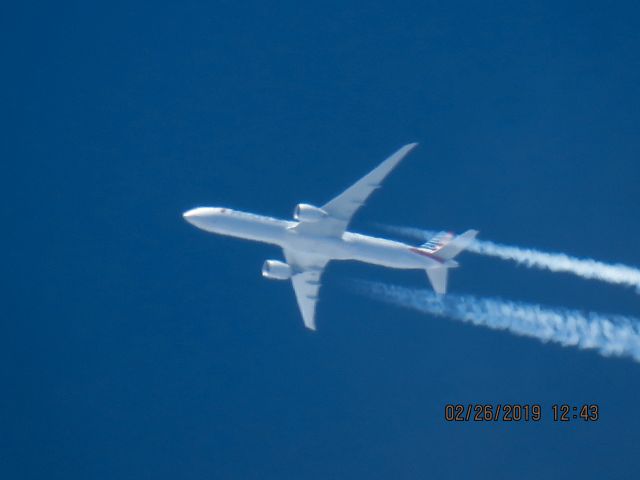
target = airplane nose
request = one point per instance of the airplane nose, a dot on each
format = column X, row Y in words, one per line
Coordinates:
column 189, row 214
column 195, row 215
column 201, row 216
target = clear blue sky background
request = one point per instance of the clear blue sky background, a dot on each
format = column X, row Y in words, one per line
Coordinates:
column 135, row 346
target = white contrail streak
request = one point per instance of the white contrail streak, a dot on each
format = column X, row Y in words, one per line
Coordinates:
column 609, row 335
column 555, row 262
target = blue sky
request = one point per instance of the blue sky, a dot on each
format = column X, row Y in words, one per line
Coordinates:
column 135, row 346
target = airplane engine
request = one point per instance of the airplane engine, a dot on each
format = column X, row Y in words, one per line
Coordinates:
column 276, row 270
column 308, row 213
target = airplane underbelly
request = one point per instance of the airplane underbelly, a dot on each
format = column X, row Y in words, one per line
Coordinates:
column 388, row 254
column 384, row 256
column 327, row 247
column 257, row 229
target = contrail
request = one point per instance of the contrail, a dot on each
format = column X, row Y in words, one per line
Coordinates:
column 555, row 262
column 609, row 335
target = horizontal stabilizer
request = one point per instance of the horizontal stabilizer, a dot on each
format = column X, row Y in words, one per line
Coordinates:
column 438, row 278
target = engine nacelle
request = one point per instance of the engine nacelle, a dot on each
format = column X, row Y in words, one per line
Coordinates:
column 308, row 213
column 276, row 270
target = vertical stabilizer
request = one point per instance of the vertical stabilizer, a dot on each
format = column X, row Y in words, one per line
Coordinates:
column 457, row 245
column 445, row 246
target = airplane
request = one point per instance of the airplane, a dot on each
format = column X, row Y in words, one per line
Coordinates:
column 319, row 235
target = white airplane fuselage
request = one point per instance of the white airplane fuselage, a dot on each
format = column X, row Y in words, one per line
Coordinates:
column 350, row 246
column 319, row 235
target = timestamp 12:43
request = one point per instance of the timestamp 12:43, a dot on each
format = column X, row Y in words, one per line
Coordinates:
column 566, row 412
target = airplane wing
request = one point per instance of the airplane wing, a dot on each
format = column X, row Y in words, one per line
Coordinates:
column 307, row 270
column 342, row 208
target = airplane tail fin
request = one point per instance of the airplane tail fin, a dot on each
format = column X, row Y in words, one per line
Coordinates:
column 446, row 246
